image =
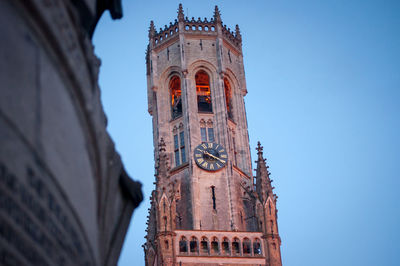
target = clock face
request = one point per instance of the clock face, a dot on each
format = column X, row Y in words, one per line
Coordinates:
column 210, row 156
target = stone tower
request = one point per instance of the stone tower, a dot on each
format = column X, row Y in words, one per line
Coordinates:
column 207, row 208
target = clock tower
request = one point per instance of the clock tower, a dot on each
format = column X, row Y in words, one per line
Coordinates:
column 206, row 208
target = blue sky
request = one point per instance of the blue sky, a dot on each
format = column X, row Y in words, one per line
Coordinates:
column 323, row 80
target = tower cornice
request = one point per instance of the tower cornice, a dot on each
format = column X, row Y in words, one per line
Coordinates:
column 195, row 27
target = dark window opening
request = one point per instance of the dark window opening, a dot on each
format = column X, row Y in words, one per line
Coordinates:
column 166, row 244
column 246, row 246
column 193, row 245
column 257, row 247
column 213, row 197
column 235, row 247
column 183, row 245
column 204, row 245
column 214, row 246
column 225, row 247
column 176, row 96
column 203, row 92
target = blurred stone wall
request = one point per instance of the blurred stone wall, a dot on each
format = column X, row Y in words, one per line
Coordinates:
column 65, row 198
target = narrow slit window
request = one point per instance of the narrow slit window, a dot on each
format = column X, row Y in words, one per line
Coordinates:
column 213, row 197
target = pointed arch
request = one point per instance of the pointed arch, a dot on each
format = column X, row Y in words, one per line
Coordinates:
column 228, row 98
column 203, row 91
column 175, row 93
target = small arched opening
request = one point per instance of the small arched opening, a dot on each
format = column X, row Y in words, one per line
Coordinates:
column 246, row 246
column 194, row 247
column 183, row 245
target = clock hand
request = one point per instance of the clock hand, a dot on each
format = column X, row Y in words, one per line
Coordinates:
column 215, row 157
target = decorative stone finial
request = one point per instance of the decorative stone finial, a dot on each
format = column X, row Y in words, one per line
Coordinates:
column 237, row 32
column 217, row 15
column 181, row 17
column 259, row 150
column 152, row 30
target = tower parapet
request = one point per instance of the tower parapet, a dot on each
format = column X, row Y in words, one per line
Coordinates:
column 194, row 27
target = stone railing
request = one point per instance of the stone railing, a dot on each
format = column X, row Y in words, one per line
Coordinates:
column 218, row 243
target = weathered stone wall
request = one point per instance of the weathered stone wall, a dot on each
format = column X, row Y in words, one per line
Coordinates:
column 65, row 198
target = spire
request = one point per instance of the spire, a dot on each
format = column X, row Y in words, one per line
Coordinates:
column 263, row 182
column 162, row 166
column 181, row 17
column 217, row 15
column 152, row 30
column 237, row 32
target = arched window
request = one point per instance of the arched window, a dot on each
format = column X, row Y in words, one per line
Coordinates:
column 204, row 245
column 228, row 98
column 225, row 246
column 235, row 247
column 183, row 245
column 194, row 248
column 203, row 92
column 214, row 246
column 246, row 246
column 176, row 99
column 257, row 246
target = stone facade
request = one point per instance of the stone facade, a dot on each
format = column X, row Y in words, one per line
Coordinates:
column 196, row 89
column 65, row 198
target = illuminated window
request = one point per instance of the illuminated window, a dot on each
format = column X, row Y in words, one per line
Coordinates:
column 203, row 92
column 176, row 99
column 228, row 98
